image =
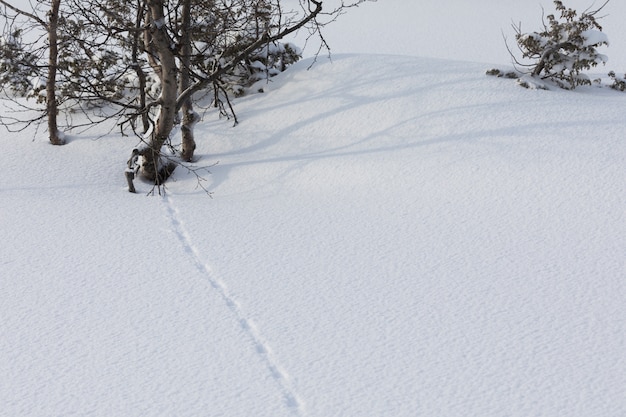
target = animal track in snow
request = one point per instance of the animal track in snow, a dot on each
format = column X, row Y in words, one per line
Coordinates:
column 262, row 348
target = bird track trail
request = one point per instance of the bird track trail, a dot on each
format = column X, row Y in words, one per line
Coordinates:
column 263, row 349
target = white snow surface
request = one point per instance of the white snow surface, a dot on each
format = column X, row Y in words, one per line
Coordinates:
column 388, row 236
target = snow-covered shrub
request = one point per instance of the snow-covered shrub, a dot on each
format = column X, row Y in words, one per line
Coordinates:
column 271, row 60
column 619, row 83
column 566, row 47
column 263, row 63
column 216, row 41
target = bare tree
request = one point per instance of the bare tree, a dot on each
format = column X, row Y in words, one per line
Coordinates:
column 149, row 59
column 50, row 26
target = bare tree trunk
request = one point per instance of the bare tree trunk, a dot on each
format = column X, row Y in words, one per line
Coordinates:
column 190, row 117
column 51, row 103
column 152, row 167
column 141, row 75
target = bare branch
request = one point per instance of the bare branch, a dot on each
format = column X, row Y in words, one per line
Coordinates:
column 31, row 16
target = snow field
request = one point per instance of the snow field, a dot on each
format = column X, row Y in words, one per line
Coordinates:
column 443, row 239
column 387, row 236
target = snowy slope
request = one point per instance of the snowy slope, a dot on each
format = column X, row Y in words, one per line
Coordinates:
column 387, row 236
column 423, row 240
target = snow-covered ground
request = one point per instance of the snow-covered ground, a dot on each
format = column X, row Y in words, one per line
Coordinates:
column 388, row 236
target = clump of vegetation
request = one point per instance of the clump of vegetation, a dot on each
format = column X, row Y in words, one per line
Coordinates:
column 495, row 72
column 567, row 46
